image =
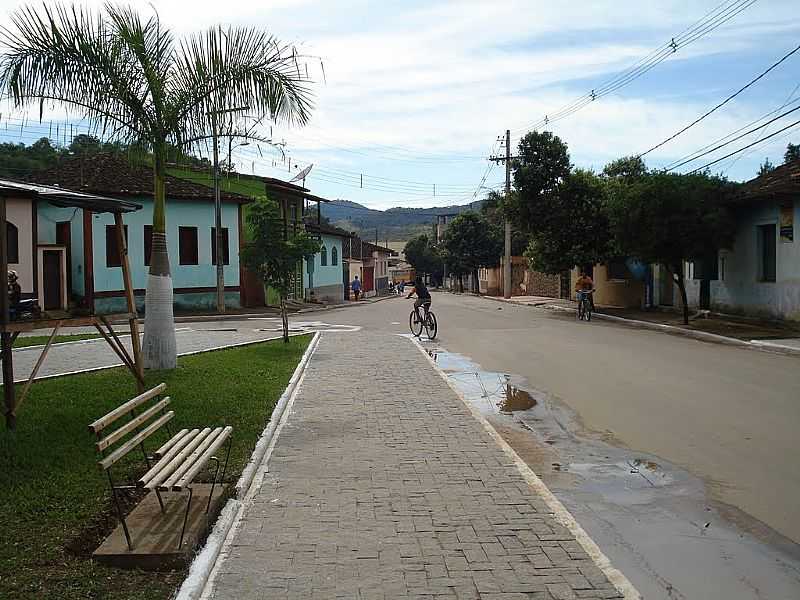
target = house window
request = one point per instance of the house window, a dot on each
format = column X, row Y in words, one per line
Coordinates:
column 323, row 257
column 187, row 245
column 148, row 243
column 617, row 269
column 113, row 257
column 225, row 248
column 12, row 243
column 704, row 269
column 766, row 253
column 334, row 256
column 293, row 212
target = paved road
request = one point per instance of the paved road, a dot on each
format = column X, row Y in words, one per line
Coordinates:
column 380, row 487
column 729, row 415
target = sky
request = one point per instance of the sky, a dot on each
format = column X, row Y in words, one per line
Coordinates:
column 410, row 97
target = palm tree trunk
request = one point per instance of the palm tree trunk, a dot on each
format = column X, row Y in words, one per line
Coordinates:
column 158, row 347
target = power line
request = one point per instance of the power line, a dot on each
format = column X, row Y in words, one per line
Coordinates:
column 721, row 104
column 708, row 23
column 713, row 162
column 737, row 138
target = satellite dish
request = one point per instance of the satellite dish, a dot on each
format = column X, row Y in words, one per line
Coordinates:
column 302, row 174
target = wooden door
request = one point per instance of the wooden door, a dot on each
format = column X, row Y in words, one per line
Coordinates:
column 369, row 279
column 51, row 279
column 64, row 238
column 665, row 292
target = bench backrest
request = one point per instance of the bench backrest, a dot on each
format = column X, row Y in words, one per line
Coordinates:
column 140, row 418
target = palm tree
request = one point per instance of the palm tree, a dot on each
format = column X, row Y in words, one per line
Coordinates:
column 132, row 81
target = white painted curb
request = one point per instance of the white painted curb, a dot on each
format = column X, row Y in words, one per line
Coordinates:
column 197, row 581
column 561, row 514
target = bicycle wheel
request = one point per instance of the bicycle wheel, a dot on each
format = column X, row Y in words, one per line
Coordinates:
column 431, row 327
column 588, row 311
column 416, row 328
column 580, row 310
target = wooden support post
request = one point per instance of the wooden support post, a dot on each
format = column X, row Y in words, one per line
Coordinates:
column 134, row 320
column 125, row 360
column 130, row 361
column 9, row 392
column 37, row 365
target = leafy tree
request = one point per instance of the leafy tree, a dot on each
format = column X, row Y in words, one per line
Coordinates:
column 627, row 167
column 423, row 256
column 575, row 230
column 542, row 165
column 129, row 76
column 273, row 252
column 766, row 168
column 670, row 218
column 470, row 243
column 792, row 153
column 493, row 210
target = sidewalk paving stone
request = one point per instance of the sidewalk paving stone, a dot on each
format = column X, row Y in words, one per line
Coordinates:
column 383, row 485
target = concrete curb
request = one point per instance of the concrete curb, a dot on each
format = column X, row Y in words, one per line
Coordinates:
column 697, row 335
column 561, row 514
column 196, row 582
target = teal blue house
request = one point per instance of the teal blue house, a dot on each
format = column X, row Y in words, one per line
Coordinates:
column 324, row 273
column 94, row 278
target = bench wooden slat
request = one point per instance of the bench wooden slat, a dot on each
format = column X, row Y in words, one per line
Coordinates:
column 177, row 460
column 115, row 414
column 189, row 461
column 135, row 440
column 162, row 469
column 201, row 461
column 132, row 424
column 173, row 440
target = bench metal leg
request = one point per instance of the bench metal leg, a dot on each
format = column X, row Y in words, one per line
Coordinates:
column 120, row 513
column 221, row 479
column 160, row 501
column 185, row 517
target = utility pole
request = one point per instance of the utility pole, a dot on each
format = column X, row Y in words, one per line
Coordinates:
column 218, row 205
column 507, row 264
column 218, row 222
column 507, row 259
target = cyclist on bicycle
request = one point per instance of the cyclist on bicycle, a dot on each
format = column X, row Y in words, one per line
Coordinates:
column 423, row 297
column 584, row 286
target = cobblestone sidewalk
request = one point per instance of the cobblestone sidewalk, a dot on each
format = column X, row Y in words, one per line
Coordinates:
column 382, row 485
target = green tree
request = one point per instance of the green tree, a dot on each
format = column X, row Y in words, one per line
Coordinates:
column 494, row 209
column 127, row 75
column 423, row 256
column 792, row 153
column 670, row 218
column 627, row 167
column 542, row 165
column 273, row 252
column 766, row 167
column 574, row 227
column 470, row 243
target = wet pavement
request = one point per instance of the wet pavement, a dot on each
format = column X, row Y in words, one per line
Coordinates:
column 654, row 520
column 376, row 490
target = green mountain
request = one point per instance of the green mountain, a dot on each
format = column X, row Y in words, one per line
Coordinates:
column 397, row 224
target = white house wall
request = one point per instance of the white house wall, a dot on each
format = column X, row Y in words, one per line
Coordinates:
column 739, row 290
column 20, row 213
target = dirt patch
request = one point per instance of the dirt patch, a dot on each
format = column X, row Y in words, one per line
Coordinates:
column 95, row 531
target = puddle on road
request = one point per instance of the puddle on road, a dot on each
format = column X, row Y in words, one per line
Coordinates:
column 625, row 499
column 516, row 400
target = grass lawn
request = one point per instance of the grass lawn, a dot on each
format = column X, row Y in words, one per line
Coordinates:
column 55, row 507
column 41, row 340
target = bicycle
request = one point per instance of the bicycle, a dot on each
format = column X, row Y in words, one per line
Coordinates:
column 584, row 305
column 428, row 322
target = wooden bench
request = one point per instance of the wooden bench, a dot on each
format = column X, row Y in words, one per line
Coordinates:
column 171, row 468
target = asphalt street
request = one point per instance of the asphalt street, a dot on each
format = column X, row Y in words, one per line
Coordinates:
column 728, row 415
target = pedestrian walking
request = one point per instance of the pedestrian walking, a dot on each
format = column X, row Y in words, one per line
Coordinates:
column 356, row 285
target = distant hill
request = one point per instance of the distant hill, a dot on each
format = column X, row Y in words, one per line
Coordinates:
column 398, row 223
